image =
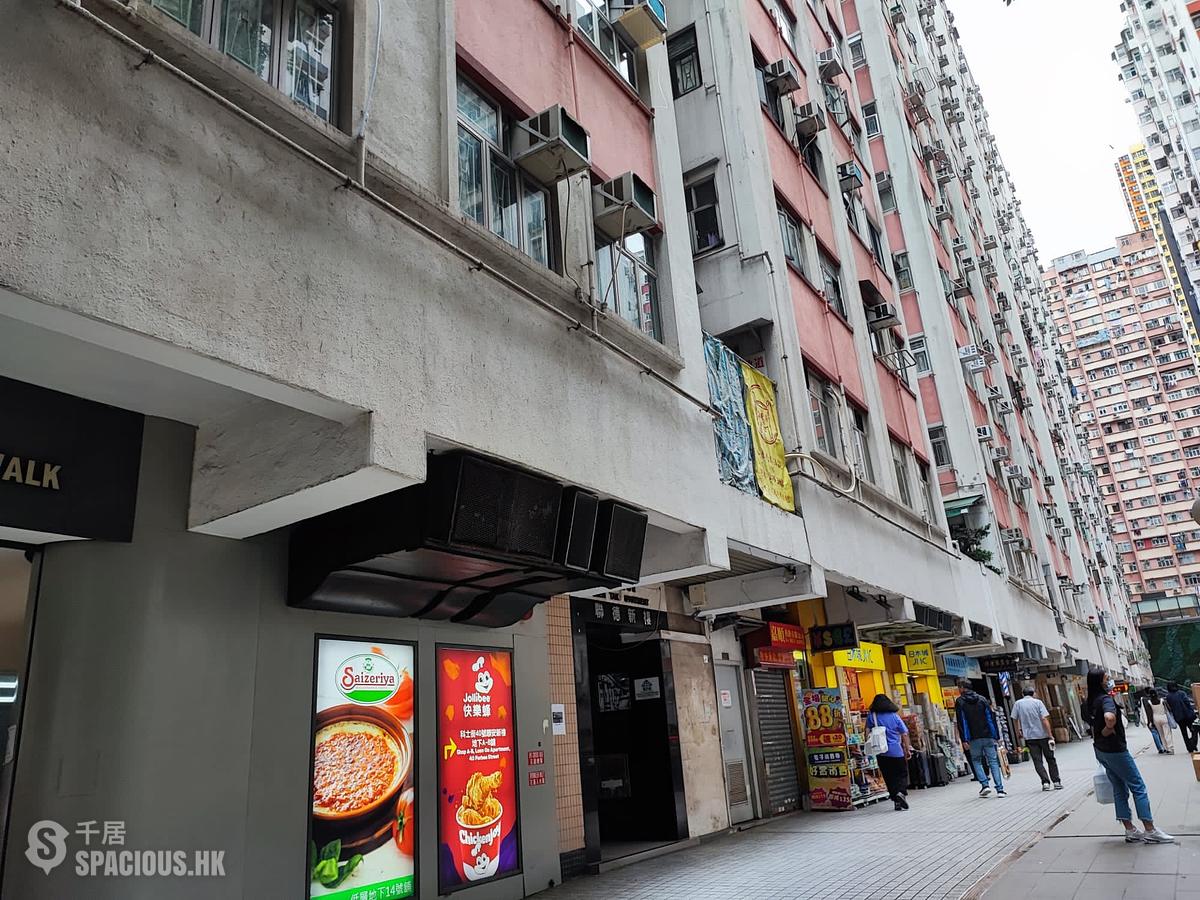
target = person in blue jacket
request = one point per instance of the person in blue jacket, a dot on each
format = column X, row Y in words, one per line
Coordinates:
column 978, row 731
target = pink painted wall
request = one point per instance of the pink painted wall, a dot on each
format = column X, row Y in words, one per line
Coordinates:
column 850, row 16
column 999, row 503
column 767, row 40
column 540, row 75
column 929, row 400
column 912, row 312
column 825, row 339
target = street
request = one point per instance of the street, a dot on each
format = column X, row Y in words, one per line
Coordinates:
column 950, row 844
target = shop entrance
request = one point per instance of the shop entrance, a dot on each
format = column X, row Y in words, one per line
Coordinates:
column 630, row 765
column 730, row 715
column 15, row 574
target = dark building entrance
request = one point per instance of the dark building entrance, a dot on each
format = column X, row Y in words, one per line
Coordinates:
column 630, row 764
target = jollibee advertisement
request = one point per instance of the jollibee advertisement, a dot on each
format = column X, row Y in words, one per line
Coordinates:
column 363, row 826
column 477, row 784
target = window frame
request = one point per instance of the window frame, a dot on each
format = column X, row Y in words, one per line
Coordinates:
column 869, row 117
column 823, row 407
column 900, row 456
column 674, row 55
column 831, row 275
column 647, row 269
column 689, row 187
column 599, row 9
column 860, row 435
column 940, row 441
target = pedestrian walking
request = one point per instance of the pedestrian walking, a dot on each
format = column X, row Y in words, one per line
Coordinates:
column 1108, row 735
column 1033, row 727
column 978, row 731
column 1184, row 712
column 1162, row 723
column 1150, row 703
column 893, row 762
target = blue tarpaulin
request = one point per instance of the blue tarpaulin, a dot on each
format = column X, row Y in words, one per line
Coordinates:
column 735, row 453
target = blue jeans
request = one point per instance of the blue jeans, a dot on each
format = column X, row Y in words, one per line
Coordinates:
column 1126, row 779
column 981, row 747
column 1157, row 740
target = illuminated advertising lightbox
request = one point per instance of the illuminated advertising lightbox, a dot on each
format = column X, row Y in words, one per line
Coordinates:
column 363, row 829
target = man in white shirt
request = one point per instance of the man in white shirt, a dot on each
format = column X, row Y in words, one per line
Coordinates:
column 1033, row 727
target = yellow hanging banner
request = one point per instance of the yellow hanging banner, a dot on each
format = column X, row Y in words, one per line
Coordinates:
column 770, row 467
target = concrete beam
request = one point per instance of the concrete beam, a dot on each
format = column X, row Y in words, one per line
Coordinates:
column 669, row 556
column 771, row 587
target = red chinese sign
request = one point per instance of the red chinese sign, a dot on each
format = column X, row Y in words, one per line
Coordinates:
column 773, row 658
column 477, row 812
column 787, row 637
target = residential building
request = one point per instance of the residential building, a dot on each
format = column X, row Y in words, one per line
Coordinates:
column 1138, row 389
column 1144, row 202
column 1156, row 55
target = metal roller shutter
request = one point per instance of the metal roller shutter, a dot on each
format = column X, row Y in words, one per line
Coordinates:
column 775, row 733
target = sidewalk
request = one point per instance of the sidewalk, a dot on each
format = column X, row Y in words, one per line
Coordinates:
column 941, row 849
column 1085, row 855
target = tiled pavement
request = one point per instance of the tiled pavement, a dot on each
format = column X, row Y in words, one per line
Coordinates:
column 1085, row 855
column 945, row 846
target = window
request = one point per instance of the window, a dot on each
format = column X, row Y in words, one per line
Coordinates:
column 291, row 44
column 927, row 495
column 831, row 282
column 940, row 446
column 685, row 62
column 792, row 233
column 858, row 54
column 871, row 119
column 591, row 18
column 823, row 402
column 627, row 281
column 704, row 214
column 903, row 271
column 768, row 93
column 916, row 347
column 900, row 464
column 861, row 443
column 887, row 198
column 814, row 160
column 876, row 243
column 491, row 190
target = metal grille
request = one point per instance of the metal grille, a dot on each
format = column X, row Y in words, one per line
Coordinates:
column 735, row 778
column 775, row 734
column 505, row 510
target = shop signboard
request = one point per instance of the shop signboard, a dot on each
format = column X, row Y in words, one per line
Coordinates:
column 949, row 696
column 787, row 637
column 920, row 659
column 826, row 638
column 67, row 466
column 622, row 615
column 826, row 753
column 363, row 828
column 771, row 658
column 1005, row 662
column 477, row 767
column 866, row 655
column 954, row 665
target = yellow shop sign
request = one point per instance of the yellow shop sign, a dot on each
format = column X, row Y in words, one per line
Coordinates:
column 920, row 659
column 865, row 656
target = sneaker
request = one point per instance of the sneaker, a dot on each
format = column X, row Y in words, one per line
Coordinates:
column 985, row 791
column 1046, row 786
column 1058, row 786
column 1001, row 793
column 1158, row 836
column 1133, row 836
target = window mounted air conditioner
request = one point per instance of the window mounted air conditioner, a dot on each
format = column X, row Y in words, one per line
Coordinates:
column 1012, row 535
column 999, row 454
column 976, row 365
column 1013, row 471
column 968, row 264
column 850, row 177
column 883, row 180
column 782, row 76
column 958, row 245
column 1048, row 481
column 829, row 64
column 810, row 119
column 945, row 175
column 644, row 22
column 624, row 206
column 969, row 351
column 1004, row 408
column 551, row 146
column 1023, row 482
column 995, row 392
column 961, row 289
column 882, row 316
column 983, row 433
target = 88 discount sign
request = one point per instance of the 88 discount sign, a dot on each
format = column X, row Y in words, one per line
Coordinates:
column 824, row 723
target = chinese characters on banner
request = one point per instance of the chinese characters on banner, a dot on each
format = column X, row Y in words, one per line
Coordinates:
column 825, row 749
column 477, row 812
column 363, row 825
column 770, row 466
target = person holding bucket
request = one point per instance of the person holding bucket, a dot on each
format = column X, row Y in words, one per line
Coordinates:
column 1108, row 736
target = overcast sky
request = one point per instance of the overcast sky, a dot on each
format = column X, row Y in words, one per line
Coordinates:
column 1058, row 112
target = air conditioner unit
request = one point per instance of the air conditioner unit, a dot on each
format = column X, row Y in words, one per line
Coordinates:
column 990, row 243
column 882, row 316
column 945, row 175
column 897, row 13
column 1065, row 532
column 961, row 289
column 1004, row 408
column 999, row 454
column 551, row 146
column 995, row 392
column 976, row 365
column 968, row 264
column 1023, row 482
column 943, row 213
column 958, row 245
column 782, row 75
column 1012, row 535
column 883, row 180
column 624, row 206
column 1048, row 481
column 1058, row 522
column 850, row 177
column 969, row 351
column 829, row 64
column 644, row 22
column 810, row 119
column 1000, row 323
column 1013, row 471
column 983, row 433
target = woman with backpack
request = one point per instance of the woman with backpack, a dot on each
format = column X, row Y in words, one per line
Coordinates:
column 1108, row 735
column 893, row 762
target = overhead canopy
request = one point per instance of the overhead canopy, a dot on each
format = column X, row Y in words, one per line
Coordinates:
column 961, row 505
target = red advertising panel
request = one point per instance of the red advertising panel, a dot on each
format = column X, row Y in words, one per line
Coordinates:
column 477, row 812
column 363, row 831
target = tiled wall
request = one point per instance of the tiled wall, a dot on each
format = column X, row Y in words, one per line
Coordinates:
column 566, row 747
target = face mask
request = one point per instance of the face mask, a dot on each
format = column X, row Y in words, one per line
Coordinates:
column 1109, row 685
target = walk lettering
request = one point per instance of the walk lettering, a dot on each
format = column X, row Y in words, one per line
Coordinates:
column 31, row 472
